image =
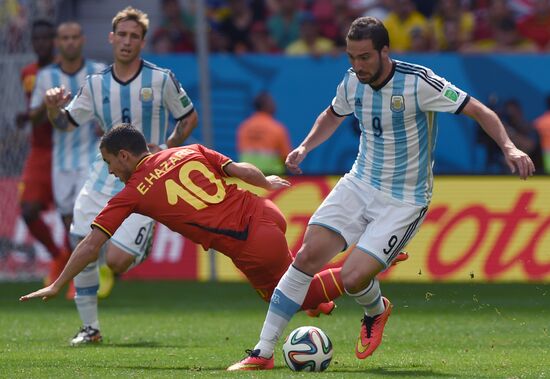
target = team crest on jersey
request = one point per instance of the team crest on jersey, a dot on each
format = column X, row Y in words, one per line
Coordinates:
column 146, row 95
column 397, row 103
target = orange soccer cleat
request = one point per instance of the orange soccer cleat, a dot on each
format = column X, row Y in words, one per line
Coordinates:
column 252, row 362
column 71, row 291
column 323, row 308
column 401, row 257
column 372, row 329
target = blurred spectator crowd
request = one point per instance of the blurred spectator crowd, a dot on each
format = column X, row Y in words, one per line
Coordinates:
column 298, row 27
column 316, row 27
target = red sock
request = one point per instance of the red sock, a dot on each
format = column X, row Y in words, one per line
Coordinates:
column 326, row 286
column 41, row 232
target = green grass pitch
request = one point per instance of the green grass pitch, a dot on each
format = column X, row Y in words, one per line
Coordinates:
column 196, row 330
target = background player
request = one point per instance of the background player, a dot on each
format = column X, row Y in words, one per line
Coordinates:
column 380, row 204
column 36, row 183
column 73, row 152
column 184, row 188
column 130, row 90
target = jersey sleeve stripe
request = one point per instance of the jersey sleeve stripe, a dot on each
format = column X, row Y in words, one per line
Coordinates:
column 466, row 100
column 437, row 84
column 95, row 225
column 422, row 70
column 224, row 165
column 432, row 82
column 346, row 80
column 338, row 115
column 186, row 114
column 71, row 119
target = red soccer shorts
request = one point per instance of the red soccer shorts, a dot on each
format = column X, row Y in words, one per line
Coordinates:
column 36, row 180
column 265, row 257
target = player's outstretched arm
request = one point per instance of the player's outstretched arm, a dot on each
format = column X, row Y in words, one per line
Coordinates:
column 325, row 125
column 183, row 130
column 252, row 175
column 516, row 159
column 86, row 252
column 55, row 99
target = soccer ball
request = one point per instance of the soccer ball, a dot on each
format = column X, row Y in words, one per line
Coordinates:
column 307, row 349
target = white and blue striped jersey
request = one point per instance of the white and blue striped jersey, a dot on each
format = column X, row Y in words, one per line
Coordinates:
column 75, row 150
column 398, row 128
column 145, row 101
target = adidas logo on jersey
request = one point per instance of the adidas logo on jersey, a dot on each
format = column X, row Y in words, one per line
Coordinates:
column 105, row 100
column 358, row 102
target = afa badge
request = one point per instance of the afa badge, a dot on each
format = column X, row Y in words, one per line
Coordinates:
column 397, row 103
column 146, row 95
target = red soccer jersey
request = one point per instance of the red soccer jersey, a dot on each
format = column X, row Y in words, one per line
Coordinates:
column 184, row 189
column 41, row 134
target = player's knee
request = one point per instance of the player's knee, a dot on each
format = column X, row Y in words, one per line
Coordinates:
column 119, row 264
column 355, row 279
column 307, row 261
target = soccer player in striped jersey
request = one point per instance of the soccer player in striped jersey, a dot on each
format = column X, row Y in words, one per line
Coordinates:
column 73, row 152
column 381, row 203
column 129, row 90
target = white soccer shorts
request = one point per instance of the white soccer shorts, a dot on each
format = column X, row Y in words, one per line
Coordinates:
column 134, row 235
column 375, row 222
column 66, row 186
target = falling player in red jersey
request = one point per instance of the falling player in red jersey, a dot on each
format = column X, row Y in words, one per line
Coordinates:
column 184, row 189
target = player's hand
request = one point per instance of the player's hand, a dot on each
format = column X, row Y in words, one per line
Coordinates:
column 153, row 148
column 276, row 182
column 518, row 161
column 45, row 293
column 57, row 97
column 294, row 159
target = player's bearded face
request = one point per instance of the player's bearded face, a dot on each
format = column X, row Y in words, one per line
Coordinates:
column 69, row 41
column 367, row 62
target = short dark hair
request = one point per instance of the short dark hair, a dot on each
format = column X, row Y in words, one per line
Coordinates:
column 260, row 99
column 369, row 28
column 42, row 23
column 124, row 137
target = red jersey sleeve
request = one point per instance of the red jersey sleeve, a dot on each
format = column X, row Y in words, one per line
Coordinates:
column 116, row 211
column 217, row 160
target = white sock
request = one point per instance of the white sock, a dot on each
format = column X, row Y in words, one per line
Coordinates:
column 86, row 284
column 286, row 300
column 370, row 298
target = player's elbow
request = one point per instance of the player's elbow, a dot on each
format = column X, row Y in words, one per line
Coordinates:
column 193, row 119
column 88, row 249
column 90, row 252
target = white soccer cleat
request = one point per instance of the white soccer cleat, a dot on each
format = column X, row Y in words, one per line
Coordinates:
column 86, row 335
